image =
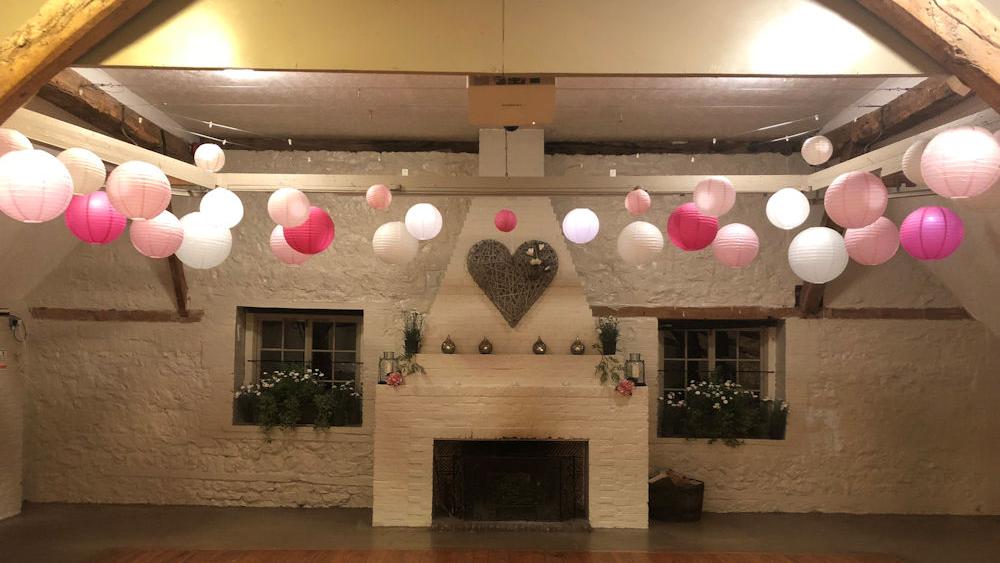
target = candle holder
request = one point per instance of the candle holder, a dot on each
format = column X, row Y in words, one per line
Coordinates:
column 635, row 370
column 387, row 364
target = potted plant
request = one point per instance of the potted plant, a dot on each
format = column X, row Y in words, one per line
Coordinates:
column 413, row 327
column 607, row 334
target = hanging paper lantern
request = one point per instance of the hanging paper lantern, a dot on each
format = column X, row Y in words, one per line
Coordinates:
column 931, row 233
column 288, row 207
column 639, row 242
column 222, row 206
column 158, row 237
column 817, row 150
column 424, row 221
column 206, row 244
column 787, row 208
column 715, row 196
column 505, row 220
column 92, row 219
column 138, row 190
column 379, row 197
column 818, row 254
column 638, row 201
column 911, row 162
column 690, row 229
column 284, row 252
column 86, row 169
column 736, row 245
column 313, row 236
column 11, row 140
column 393, row 244
column 856, row 199
column 581, row 225
column 874, row 244
column 961, row 162
column 209, row 157
column 34, row 186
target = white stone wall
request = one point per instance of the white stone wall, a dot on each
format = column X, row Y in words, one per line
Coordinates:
column 11, row 425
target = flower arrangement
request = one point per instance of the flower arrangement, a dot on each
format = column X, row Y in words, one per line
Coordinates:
column 395, row 379
column 607, row 333
column 290, row 398
column 625, row 387
column 722, row 411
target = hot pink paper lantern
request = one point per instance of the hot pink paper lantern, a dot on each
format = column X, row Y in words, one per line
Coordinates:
column 138, row 190
column 379, row 197
column 288, row 207
column 34, row 186
column 158, row 237
column 736, row 245
column 931, row 233
column 505, row 220
column 715, row 196
column 92, row 219
column 961, row 162
column 313, row 236
column 281, row 249
column 690, row 229
column 874, row 244
column 638, row 201
column 856, row 199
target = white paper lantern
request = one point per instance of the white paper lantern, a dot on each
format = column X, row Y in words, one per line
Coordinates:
column 424, row 221
column 714, row 196
column 818, row 254
column 962, row 162
column 581, row 225
column 222, row 206
column 34, row 186
column 86, row 169
column 11, row 140
column 911, row 162
column 817, row 150
column 787, row 208
column 209, row 157
column 393, row 243
column 639, row 243
column 206, row 244
column 288, row 207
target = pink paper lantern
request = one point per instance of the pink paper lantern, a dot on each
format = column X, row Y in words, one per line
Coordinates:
column 34, row 186
column 874, row 244
column 638, row 201
column 379, row 197
column 313, row 236
column 288, row 207
column 284, row 252
column 690, row 229
column 92, row 219
column 138, row 190
column 961, row 162
column 931, row 233
column 715, row 196
column 505, row 220
column 736, row 245
column 856, row 199
column 158, row 237
column 11, row 140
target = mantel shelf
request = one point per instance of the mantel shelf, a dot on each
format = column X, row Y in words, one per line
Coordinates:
column 506, row 370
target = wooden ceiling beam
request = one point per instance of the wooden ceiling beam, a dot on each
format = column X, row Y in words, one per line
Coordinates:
column 771, row 313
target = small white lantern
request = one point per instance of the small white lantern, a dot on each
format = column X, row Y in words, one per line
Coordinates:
column 639, row 243
column 34, row 186
column 423, row 221
column 12, row 140
column 288, row 207
column 206, row 244
column 817, row 150
column 581, row 225
column 393, row 243
column 818, row 254
column 222, row 206
column 787, row 208
column 911, row 162
column 86, row 169
column 961, row 162
column 714, row 196
column 209, row 157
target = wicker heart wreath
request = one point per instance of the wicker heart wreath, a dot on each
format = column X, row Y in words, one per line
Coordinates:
column 513, row 282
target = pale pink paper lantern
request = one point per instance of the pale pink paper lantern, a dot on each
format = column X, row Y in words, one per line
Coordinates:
column 158, row 237
column 736, row 245
column 313, row 236
column 931, row 233
column 874, row 244
column 209, row 157
column 638, row 201
column 92, row 219
column 505, row 220
column 34, row 186
column 138, row 190
column 11, row 140
column 282, row 251
column 288, row 207
column 86, row 169
column 714, row 196
column 817, row 150
column 856, row 199
column 961, row 162
column 689, row 229
column 379, row 197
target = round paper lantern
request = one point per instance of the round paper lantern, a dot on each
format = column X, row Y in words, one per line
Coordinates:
column 639, row 242
column 92, row 219
column 394, row 244
column 423, row 220
column 818, row 254
column 638, row 201
column 690, row 229
column 222, row 206
column 209, row 157
column 34, row 186
column 736, row 245
column 714, row 196
column 313, row 236
column 787, row 208
column 817, row 150
column 874, row 244
column 505, row 220
column 11, row 140
column 931, row 233
column 284, row 252
column 86, row 169
column 581, row 225
column 288, row 207
column 379, row 196
column 961, row 162
column 856, row 199
column 206, row 244
column 911, row 162
column 158, row 237
column 138, row 190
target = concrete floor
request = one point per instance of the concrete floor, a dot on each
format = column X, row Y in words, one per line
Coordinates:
column 64, row 532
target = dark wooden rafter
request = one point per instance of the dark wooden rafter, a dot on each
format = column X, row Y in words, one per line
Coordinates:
column 772, row 313
column 178, row 281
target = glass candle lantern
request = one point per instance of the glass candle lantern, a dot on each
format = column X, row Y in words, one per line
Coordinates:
column 635, row 369
column 387, row 364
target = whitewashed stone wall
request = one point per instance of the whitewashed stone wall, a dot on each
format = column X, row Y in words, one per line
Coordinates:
column 11, row 425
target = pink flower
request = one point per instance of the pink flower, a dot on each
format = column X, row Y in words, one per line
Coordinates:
column 625, row 387
column 394, row 379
